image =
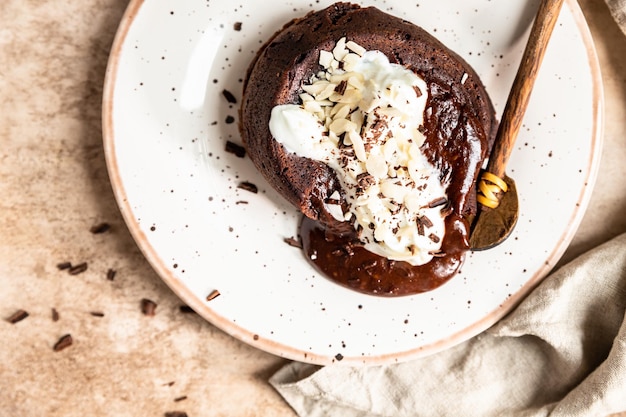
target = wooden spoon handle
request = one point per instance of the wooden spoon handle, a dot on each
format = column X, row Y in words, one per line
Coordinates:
column 519, row 96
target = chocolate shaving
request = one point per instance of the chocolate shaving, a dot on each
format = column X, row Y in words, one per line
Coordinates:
column 341, row 87
column 77, row 269
column 437, row 202
column 111, row 274
column 237, row 26
column 213, row 295
column 55, row 314
column 420, row 227
column 446, row 211
column 426, row 221
column 148, row 307
column 292, row 241
column 248, row 186
column 99, row 228
column 434, row 238
column 229, row 96
column 418, row 92
column 237, row 150
column 64, row 342
column 18, row 316
column 364, row 180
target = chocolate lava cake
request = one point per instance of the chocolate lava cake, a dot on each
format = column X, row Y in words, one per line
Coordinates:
column 457, row 127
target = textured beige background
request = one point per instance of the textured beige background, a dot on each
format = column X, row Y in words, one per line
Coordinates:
column 54, row 187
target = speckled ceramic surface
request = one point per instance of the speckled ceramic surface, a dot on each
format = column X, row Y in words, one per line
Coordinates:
column 167, row 122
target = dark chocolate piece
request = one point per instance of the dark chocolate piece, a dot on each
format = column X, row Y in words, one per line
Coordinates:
column 18, row 316
column 64, row 342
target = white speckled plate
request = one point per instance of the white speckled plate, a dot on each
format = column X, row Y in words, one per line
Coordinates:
column 166, row 124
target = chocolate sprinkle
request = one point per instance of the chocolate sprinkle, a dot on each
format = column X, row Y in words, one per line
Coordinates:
column 77, row 269
column 229, row 119
column 99, row 228
column 229, row 96
column 148, row 307
column 248, row 186
column 339, row 356
column 64, row 342
column 97, row 313
column 233, row 148
column 438, row 202
column 55, row 314
column 237, row 26
column 181, row 398
column 18, row 316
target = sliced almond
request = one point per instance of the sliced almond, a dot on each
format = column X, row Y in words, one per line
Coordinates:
column 355, row 47
column 376, row 165
column 326, row 58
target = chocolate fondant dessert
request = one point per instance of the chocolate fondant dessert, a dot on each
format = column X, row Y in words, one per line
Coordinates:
column 376, row 132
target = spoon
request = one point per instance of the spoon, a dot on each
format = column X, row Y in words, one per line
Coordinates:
column 498, row 207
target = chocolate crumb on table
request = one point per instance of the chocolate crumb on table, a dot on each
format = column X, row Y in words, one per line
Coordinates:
column 64, row 342
column 64, row 265
column 78, row 269
column 148, row 307
column 111, row 274
column 248, row 186
column 18, row 316
column 100, row 228
column 175, row 414
column 185, row 309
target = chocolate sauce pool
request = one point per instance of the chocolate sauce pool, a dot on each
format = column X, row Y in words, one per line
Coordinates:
column 344, row 260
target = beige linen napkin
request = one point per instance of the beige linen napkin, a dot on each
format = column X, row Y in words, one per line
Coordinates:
column 618, row 10
column 562, row 352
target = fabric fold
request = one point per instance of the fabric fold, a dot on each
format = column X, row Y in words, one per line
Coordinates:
column 561, row 352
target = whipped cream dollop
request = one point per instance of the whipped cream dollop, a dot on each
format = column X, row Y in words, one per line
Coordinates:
column 363, row 117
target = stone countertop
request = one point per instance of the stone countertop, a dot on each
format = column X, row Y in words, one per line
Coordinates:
column 55, row 189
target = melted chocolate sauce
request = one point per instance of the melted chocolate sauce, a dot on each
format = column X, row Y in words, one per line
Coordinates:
column 344, row 260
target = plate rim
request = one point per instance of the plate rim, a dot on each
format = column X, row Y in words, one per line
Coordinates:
column 289, row 352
